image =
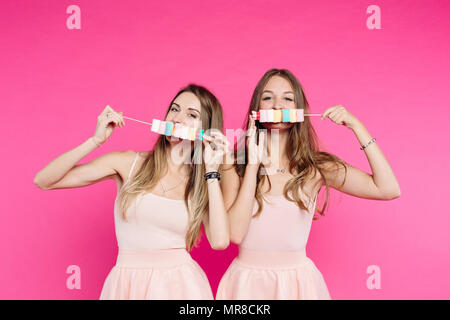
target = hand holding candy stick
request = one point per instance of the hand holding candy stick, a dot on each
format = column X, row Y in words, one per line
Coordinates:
column 255, row 150
column 106, row 122
column 216, row 146
column 340, row 115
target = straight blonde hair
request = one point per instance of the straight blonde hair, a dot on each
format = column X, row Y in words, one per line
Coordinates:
column 155, row 164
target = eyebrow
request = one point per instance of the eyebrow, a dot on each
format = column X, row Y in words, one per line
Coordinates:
column 188, row 108
column 269, row 91
column 194, row 110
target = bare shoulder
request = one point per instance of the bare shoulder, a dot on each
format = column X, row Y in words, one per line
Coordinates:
column 144, row 154
column 123, row 161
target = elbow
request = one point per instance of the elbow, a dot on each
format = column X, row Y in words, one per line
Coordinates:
column 236, row 238
column 393, row 195
column 397, row 194
column 37, row 183
column 221, row 245
column 238, row 231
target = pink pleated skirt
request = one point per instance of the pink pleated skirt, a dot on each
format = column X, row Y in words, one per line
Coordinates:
column 262, row 275
column 169, row 274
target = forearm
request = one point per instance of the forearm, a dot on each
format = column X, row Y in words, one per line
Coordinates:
column 382, row 173
column 58, row 167
column 218, row 220
column 241, row 211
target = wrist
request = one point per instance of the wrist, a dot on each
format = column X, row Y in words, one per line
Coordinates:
column 211, row 169
column 356, row 126
column 253, row 161
column 97, row 144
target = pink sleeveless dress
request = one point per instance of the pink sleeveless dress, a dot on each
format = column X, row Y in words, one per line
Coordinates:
column 153, row 262
column 272, row 262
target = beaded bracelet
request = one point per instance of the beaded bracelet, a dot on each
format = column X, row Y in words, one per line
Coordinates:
column 212, row 175
column 365, row 146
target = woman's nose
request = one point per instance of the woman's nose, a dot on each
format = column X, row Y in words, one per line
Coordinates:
column 277, row 104
column 178, row 118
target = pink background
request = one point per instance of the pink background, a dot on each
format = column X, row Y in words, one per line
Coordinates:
column 135, row 55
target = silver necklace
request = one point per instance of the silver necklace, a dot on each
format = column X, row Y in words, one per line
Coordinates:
column 281, row 170
column 263, row 171
column 164, row 189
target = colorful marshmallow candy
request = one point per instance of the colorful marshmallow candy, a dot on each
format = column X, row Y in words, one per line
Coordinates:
column 178, row 130
column 281, row 115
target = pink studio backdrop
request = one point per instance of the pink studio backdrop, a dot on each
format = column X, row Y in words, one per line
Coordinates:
column 135, row 55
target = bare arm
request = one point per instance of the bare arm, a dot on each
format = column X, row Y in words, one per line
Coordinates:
column 381, row 185
column 64, row 172
column 239, row 195
column 78, row 175
column 215, row 222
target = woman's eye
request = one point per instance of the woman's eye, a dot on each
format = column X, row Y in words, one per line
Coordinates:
column 266, row 98
column 289, row 99
column 173, row 109
column 193, row 115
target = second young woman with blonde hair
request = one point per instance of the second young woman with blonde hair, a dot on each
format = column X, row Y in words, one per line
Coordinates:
column 271, row 205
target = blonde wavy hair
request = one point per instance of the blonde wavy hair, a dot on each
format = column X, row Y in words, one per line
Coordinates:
column 155, row 164
column 302, row 147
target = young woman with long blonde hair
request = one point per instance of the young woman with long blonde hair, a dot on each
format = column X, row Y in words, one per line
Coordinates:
column 271, row 204
column 162, row 200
